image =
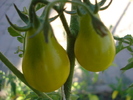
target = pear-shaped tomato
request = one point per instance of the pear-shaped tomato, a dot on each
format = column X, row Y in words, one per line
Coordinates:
column 93, row 52
column 45, row 65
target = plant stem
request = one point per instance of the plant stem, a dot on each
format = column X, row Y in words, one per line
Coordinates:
column 64, row 22
column 18, row 74
column 74, row 26
column 70, row 52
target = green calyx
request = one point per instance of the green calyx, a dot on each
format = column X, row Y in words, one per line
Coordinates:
column 97, row 24
column 40, row 23
column 97, row 6
column 21, row 29
column 22, row 15
column 24, row 18
column 31, row 20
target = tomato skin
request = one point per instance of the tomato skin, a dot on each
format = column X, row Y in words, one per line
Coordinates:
column 45, row 65
column 93, row 52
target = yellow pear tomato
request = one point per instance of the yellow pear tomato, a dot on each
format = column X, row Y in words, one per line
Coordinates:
column 45, row 65
column 93, row 52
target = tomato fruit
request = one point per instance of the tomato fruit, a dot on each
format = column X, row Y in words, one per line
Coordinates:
column 93, row 52
column 45, row 65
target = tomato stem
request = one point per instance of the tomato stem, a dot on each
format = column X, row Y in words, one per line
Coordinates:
column 64, row 23
column 70, row 52
column 74, row 26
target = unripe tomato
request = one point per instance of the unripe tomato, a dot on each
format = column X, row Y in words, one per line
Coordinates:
column 45, row 65
column 93, row 52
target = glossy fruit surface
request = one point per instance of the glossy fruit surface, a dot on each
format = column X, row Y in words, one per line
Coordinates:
column 45, row 65
column 93, row 52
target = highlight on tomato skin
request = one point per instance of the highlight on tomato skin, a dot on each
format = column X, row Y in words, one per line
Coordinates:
column 93, row 52
column 45, row 66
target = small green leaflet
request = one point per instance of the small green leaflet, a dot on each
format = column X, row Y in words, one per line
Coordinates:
column 13, row 32
column 128, row 66
column 39, row 6
column 20, row 39
column 129, row 48
column 119, row 47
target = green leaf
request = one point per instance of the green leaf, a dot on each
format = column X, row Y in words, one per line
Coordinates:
column 25, row 11
column 119, row 47
column 19, row 51
column 129, row 48
column 13, row 32
column 123, row 39
column 20, row 39
column 117, row 38
column 39, row 6
column 128, row 66
column 20, row 55
column 128, row 37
